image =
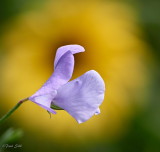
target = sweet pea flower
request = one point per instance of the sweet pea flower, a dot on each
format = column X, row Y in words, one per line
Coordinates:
column 80, row 97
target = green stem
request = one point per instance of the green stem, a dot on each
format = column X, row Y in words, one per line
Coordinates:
column 12, row 110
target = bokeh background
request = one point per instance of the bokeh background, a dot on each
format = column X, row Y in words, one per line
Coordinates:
column 121, row 38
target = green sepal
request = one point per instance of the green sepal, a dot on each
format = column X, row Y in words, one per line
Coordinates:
column 56, row 107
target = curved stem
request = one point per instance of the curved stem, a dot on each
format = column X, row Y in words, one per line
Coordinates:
column 12, row 110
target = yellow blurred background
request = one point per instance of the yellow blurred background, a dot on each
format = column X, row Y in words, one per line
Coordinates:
column 116, row 46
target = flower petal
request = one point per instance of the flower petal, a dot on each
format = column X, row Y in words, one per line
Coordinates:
column 64, row 65
column 61, row 75
column 81, row 97
column 62, row 50
column 45, row 101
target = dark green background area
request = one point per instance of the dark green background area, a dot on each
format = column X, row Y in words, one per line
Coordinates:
column 11, row 8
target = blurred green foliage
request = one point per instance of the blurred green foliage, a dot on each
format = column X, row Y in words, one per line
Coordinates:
column 10, row 8
column 10, row 136
column 149, row 11
column 9, row 140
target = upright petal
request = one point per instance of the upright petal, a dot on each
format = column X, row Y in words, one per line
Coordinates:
column 62, row 74
column 62, row 50
column 82, row 97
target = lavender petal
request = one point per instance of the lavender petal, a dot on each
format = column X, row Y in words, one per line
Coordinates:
column 82, row 97
column 62, row 50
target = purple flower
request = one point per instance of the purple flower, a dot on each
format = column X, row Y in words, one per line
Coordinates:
column 80, row 97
